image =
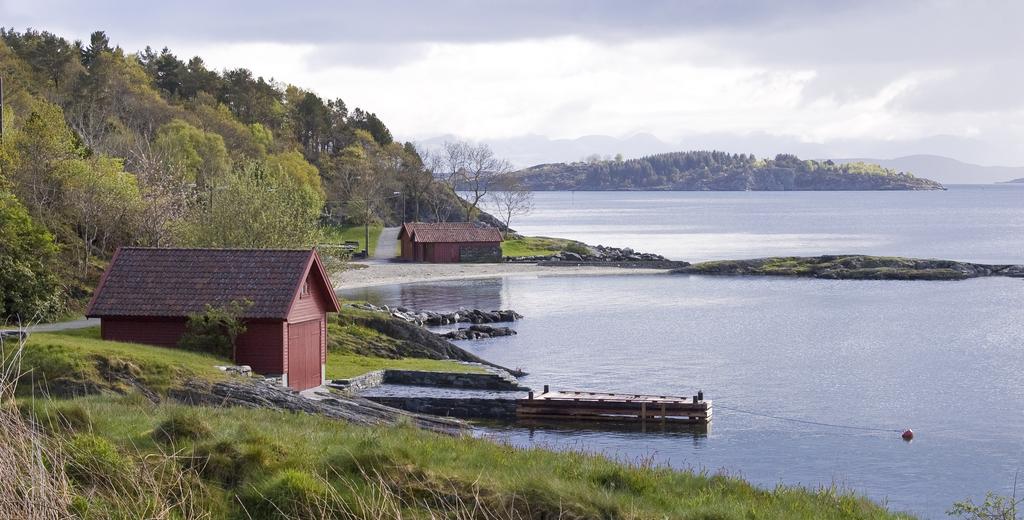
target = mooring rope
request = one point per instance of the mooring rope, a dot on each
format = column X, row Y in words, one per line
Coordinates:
column 802, row 421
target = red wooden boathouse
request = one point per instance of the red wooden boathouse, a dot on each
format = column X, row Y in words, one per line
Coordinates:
column 147, row 294
column 449, row 242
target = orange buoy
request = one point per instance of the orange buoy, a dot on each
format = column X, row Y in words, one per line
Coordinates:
column 908, row 434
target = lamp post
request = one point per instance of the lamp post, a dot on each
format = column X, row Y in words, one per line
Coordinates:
column 401, row 220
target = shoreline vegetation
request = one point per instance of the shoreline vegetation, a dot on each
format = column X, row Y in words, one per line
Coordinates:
column 134, row 436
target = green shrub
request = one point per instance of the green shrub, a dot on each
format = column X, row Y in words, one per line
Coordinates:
column 92, row 460
column 290, row 494
column 577, row 247
column 181, row 426
column 230, row 463
column 215, row 330
column 29, row 289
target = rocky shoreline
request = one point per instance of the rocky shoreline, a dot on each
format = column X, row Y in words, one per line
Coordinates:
column 432, row 319
column 478, row 332
column 595, row 255
column 853, row 267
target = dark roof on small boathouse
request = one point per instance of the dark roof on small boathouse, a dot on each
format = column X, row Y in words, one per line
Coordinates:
column 449, row 232
column 160, row 282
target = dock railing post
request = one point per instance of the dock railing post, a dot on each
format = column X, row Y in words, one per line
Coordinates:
column 531, row 395
column 545, row 389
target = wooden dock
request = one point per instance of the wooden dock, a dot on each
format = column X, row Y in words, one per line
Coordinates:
column 598, row 406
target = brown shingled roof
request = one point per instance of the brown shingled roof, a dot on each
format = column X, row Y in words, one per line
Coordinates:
column 450, row 232
column 177, row 282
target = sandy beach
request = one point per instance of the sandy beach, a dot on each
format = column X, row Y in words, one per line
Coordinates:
column 396, row 273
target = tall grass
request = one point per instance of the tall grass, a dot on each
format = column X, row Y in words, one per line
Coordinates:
column 53, row 467
column 47, row 473
column 32, row 486
column 374, row 495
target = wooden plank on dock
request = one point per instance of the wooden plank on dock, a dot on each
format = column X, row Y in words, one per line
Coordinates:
column 603, row 406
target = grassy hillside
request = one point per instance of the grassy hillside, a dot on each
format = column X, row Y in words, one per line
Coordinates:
column 540, row 246
column 297, row 466
column 125, row 451
column 78, row 362
column 342, row 234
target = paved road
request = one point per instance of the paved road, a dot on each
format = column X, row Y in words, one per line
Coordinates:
column 386, row 245
column 64, row 325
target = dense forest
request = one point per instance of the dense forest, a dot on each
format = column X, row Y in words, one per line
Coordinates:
column 103, row 148
column 718, row 171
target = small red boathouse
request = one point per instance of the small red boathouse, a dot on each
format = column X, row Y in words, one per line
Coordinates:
column 147, row 294
column 449, row 242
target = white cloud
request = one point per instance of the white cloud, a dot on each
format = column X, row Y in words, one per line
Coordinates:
column 790, row 71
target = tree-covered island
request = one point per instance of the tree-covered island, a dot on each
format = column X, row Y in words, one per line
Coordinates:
column 718, row 171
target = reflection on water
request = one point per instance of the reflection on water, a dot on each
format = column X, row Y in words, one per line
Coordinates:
column 483, row 294
column 534, row 429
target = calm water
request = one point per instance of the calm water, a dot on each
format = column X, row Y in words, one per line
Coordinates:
column 983, row 223
column 945, row 358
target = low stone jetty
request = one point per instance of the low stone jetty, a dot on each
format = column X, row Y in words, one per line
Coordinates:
column 493, row 379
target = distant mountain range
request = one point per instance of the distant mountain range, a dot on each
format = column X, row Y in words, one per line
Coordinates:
column 947, row 170
column 1016, row 181
column 718, row 171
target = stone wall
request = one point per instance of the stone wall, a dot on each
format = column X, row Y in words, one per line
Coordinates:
column 480, row 253
column 355, row 384
column 488, row 381
column 462, row 408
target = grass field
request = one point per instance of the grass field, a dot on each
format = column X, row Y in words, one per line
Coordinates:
column 539, row 246
column 125, row 456
column 72, row 356
column 80, row 359
column 341, row 234
column 280, row 465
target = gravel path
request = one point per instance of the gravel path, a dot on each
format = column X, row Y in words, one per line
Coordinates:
column 64, row 325
column 386, row 244
column 398, row 273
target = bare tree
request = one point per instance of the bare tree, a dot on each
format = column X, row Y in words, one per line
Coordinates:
column 438, row 197
column 417, row 177
column 482, row 169
column 471, row 169
column 450, row 161
column 510, row 199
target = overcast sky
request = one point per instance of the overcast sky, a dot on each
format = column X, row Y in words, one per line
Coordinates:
column 844, row 78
